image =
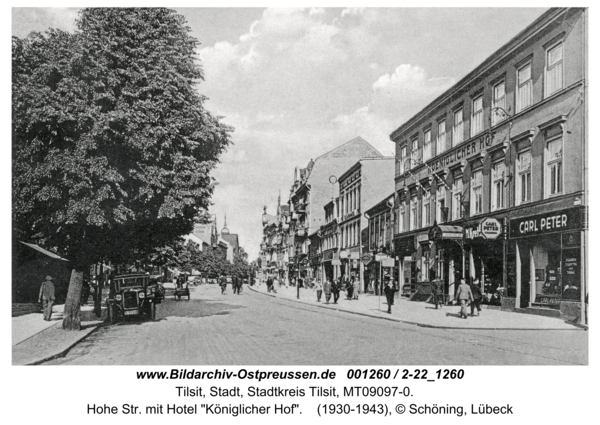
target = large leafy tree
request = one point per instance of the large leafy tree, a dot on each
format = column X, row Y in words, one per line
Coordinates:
column 112, row 147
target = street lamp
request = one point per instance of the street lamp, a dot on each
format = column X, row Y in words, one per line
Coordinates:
column 298, row 272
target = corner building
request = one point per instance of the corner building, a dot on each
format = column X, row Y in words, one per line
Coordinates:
column 491, row 177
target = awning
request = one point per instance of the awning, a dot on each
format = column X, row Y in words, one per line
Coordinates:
column 446, row 232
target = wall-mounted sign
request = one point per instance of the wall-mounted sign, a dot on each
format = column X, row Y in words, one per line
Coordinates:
column 552, row 222
column 366, row 259
column 464, row 152
column 490, row 228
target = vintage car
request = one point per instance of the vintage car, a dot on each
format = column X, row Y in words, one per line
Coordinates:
column 133, row 295
column 182, row 288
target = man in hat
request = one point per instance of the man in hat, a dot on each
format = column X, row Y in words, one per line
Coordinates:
column 389, row 290
column 47, row 296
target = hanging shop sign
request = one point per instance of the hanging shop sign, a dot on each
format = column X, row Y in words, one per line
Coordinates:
column 387, row 262
column 553, row 222
column 488, row 228
column 366, row 258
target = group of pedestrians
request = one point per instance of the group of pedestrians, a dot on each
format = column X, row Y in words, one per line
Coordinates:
column 469, row 295
column 236, row 284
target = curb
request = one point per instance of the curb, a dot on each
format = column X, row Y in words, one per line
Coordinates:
column 423, row 325
column 62, row 352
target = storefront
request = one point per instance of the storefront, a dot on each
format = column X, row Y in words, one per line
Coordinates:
column 448, row 254
column 545, row 253
column 485, row 244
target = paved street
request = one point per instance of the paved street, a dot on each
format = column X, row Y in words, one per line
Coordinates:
column 252, row 328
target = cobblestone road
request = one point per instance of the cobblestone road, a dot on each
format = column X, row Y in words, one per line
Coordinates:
column 253, row 329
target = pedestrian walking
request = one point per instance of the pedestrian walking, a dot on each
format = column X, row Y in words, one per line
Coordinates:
column 437, row 291
column 85, row 292
column 46, row 297
column 390, row 290
column 355, row 284
column 269, row 284
column 317, row 286
column 235, row 284
column 477, row 296
column 348, row 285
column 336, row 287
column 223, row 283
column 327, row 290
column 464, row 296
column 276, row 282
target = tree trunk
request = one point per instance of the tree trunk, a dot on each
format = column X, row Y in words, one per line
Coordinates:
column 72, row 313
column 99, row 285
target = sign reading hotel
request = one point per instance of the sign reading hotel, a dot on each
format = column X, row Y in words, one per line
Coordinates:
column 465, row 151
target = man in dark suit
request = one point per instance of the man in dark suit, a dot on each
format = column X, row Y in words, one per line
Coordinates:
column 437, row 291
column 389, row 291
column 47, row 297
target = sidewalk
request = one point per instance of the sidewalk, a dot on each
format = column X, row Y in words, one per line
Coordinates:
column 424, row 314
column 35, row 340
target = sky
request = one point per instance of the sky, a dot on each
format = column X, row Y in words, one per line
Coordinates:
column 297, row 82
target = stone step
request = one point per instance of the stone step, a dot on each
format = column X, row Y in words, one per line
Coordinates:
column 540, row 311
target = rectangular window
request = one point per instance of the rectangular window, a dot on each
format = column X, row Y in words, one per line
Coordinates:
column 457, row 129
column 498, row 172
column 426, row 145
column 441, row 138
column 440, row 197
column 476, row 192
column 554, row 180
column 523, row 178
column 414, row 154
column 414, row 213
column 477, row 116
column 499, row 104
column 401, row 220
column 457, row 188
column 426, row 208
column 524, row 88
column 403, row 158
column 554, row 69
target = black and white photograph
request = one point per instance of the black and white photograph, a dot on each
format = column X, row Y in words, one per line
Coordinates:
column 387, row 193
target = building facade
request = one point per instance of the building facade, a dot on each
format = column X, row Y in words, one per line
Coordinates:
column 313, row 187
column 491, row 177
column 360, row 187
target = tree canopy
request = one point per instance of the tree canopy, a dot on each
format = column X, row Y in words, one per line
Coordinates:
column 112, row 146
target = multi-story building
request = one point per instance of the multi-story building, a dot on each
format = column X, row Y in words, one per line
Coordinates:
column 491, row 177
column 361, row 186
column 329, row 246
column 273, row 249
column 380, row 261
column 312, row 189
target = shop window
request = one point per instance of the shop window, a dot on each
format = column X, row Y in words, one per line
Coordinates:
column 457, row 189
column 426, row 208
column 498, row 172
column 524, row 88
column 554, row 178
column 553, row 77
column 477, row 116
column 523, row 188
column 440, row 145
column 426, row 145
column 499, row 104
column 476, row 192
column 457, row 129
column 440, row 197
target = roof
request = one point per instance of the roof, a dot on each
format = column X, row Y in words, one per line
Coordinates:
column 44, row 251
column 194, row 238
column 269, row 219
column 232, row 239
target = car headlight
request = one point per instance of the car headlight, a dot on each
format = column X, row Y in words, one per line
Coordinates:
column 142, row 295
column 118, row 297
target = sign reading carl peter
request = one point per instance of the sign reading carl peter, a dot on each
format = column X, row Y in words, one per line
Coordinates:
column 558, row 221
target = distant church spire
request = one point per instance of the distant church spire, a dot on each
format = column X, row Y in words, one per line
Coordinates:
column 225, row 230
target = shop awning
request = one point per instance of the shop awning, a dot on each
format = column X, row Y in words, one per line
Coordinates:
column 446, row 232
